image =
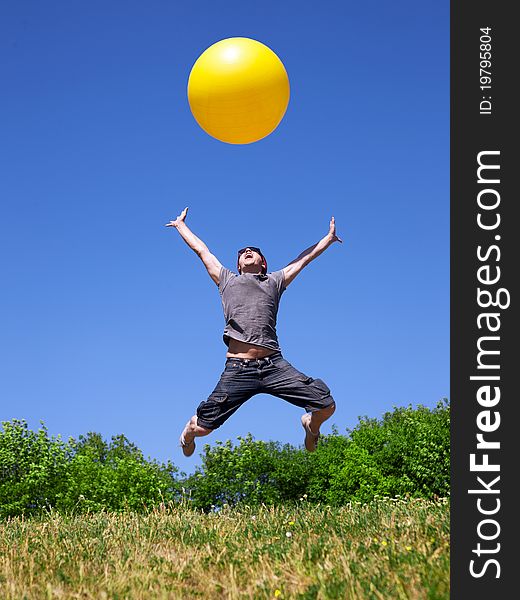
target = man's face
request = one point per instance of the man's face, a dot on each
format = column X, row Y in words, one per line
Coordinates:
column 250, row 261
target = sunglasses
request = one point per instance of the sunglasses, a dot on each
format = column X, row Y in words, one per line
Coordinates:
column 253, row 248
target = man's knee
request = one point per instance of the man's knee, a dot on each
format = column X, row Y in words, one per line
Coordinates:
column 328, row 411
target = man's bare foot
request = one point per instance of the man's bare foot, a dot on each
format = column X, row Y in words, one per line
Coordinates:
column 187, row 441
column 311, row 438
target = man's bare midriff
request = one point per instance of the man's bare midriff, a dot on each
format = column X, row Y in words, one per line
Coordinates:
column 238, row 349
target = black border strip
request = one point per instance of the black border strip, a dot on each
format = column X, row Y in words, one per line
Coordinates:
column 477, row 128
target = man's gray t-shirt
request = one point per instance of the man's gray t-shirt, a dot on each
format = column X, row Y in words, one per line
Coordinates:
column 250, row 304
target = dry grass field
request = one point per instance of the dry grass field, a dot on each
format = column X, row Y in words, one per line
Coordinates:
column 389, row 549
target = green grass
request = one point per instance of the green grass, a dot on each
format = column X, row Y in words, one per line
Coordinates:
column 388, row 549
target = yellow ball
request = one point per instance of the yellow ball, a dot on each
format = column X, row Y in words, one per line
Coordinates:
column 238, row 90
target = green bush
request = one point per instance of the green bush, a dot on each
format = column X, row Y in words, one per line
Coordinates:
column 39, row 472
column 411, row 447
column 253, row 472
column 405, row 453
column 115, row 476
column 32, row 466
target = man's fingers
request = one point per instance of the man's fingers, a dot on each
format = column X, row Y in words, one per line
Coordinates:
column 333, row 230
column 181, row 217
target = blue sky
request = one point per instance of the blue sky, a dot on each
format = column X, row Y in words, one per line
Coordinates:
column 109, row 323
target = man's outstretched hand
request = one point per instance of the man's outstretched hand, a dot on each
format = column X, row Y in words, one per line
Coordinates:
column 332, row 231
column 179, row 219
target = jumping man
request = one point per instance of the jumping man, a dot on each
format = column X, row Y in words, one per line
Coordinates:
column 254, row 362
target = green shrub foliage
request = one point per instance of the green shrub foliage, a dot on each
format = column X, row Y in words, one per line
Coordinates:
column 32, row 468
column 405, row 453
column 39, row 472
column 253, row 472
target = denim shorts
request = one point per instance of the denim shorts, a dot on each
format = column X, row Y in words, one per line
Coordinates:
column 244, row 378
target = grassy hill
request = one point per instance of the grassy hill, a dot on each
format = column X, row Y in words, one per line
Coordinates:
column 383, row 549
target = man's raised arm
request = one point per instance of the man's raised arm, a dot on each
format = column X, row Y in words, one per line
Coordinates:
column 294, row 267
column 211, row 263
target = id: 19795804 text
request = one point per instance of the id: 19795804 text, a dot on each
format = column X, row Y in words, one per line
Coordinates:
column 485, row 70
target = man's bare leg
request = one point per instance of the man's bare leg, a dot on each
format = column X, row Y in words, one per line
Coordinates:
column 191, row 431
column 312, row 422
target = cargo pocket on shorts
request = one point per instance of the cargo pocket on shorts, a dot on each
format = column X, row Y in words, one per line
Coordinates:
column 318, row 387
column 218, row 399
column 212, row 408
